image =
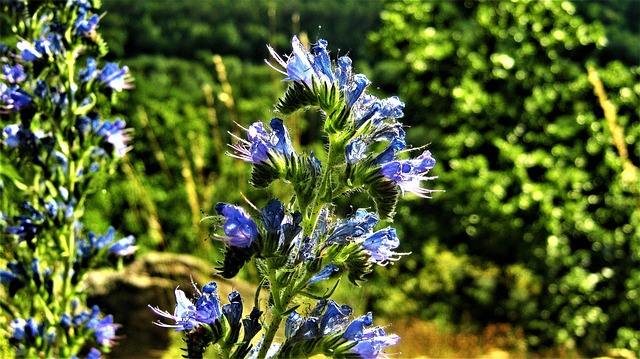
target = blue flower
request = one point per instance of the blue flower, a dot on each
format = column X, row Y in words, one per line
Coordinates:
column 94, row 354
column 371, row 108
column 13, row 98
column 379, row 246
column 13, row 74
column 115, row 134
column 115, row 77
column 94, row 243
column 239, row 229
column 26, row 230
column 7, row 277
column 371, row 341
column 260, row 142
column 299, row 65
column 187, row 315
column 88, row 74
column 356, row 226
column 105, row 330
column 65, row 320
column 326, row 318
column 324, row 273
column 233, row 310
column 49, row 45
column 272, row 216
column 335, row 318
column 83, row 26
column 18, row 327
column 409, row 174
column 124, row 246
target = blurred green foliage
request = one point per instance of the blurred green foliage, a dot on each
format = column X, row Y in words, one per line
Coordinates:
column 538, row 225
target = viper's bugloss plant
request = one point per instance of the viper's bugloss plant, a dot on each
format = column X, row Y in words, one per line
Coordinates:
column 297, row 244
column 54, row 144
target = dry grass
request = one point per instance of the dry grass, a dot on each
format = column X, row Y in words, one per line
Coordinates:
column 421, row 339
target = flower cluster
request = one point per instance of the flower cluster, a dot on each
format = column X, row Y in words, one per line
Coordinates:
column 298, row 247
column 53, row 144
column 331, row 321
column 205, row 319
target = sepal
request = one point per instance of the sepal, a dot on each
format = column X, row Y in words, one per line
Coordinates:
column 320, row 94
column 333, row 345
column 198, row 339
column 235, row 258
column 385, row 194
column 352, row 258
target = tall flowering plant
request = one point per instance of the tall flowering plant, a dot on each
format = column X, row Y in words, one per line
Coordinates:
column 54, row 143
column 296, row 244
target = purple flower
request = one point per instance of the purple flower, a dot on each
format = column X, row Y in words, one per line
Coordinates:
column 299, row 65
column 13, row 98
column 18, row 327
column 371, row 341
column 49, row 45
column 324, row 273
column 13, row 74
column 124, row 247
column 356, row 226
column 188, row 315
column 115, row 134
column 239, row 229
column 379, row 246
column 409, row 174
column 260, row 142
column 83, row 26
column 105, row 331
column 90, row 72
column 94, row 354
column 115, row 77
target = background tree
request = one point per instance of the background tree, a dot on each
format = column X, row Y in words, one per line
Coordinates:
column 538, row 226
